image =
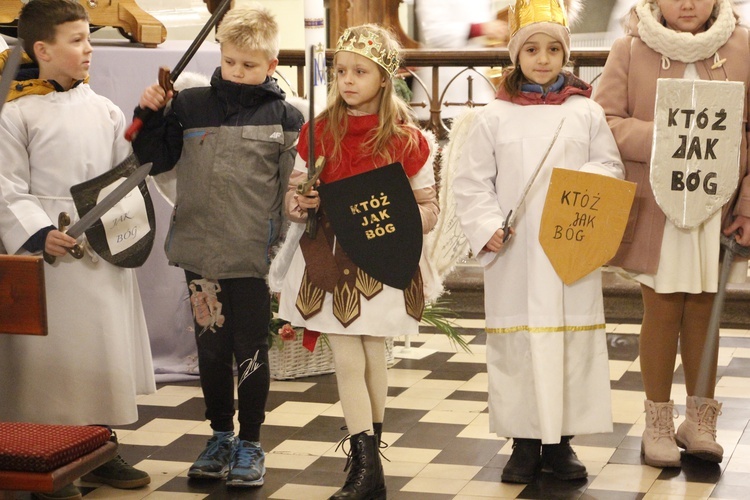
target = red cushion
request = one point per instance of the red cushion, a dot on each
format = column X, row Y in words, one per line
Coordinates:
column 41, row 448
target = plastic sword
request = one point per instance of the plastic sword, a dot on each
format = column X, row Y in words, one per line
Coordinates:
column 9, row 72
column 511, row 218
column 314, row 168
column 97, row 211
column 167, row 77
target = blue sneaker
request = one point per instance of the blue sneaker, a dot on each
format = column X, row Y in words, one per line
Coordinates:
column 213, row 462
column 248, row 465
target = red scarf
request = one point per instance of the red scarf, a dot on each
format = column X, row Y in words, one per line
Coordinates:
column 354, row 158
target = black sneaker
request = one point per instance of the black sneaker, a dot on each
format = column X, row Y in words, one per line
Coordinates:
column 118, row 474
column 214, row 460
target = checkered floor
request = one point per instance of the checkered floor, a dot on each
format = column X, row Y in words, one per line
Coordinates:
column 436, row 424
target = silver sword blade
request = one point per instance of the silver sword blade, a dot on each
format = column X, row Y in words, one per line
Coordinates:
column 512, row 215
column 9, row 72
column 311, row 226
column 109, row 201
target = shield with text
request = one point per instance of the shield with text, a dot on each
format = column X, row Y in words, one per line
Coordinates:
column 124, row 235
column 696, row 147
column 377, row 222
column 583, row 221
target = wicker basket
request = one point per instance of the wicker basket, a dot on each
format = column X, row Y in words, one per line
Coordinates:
column 295, row 361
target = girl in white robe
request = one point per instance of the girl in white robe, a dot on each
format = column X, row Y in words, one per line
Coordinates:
column 546, row 343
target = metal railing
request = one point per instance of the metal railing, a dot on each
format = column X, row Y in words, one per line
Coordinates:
column 475, row 60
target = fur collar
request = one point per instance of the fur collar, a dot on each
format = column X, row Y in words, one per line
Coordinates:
column 684, row 47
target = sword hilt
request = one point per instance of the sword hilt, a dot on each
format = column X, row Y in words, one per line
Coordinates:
column 165, row 80
column 63, row 221
column 142, row 115
column 506, row 226
column 311, row 226
column 731, row 245
column 304, row 187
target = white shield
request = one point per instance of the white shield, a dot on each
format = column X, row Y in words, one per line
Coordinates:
column 696, row 149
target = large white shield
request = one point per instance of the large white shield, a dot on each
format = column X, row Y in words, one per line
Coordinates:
column 696, row 149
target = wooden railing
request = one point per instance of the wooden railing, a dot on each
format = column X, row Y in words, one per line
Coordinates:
column 421, row 58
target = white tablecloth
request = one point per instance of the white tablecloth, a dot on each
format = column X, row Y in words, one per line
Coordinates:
column 120, row 71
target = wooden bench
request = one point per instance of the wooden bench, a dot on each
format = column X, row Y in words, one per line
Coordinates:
column 23, row 305
column 55, row 455
column 40, row 457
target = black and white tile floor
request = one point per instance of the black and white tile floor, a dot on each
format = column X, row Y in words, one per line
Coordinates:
column 437, row 426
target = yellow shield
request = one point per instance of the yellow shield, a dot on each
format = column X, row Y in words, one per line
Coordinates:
column 583, row 221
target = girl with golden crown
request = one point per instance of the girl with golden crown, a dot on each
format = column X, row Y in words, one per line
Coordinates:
column 546, row 342
column 366, row 126
column 677, row 268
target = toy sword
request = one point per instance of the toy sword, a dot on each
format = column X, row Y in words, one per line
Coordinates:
column 511, row 218
column 313, row 168
column 705, row 383
column 9, row 72
column 167, row 77
column 97, row 211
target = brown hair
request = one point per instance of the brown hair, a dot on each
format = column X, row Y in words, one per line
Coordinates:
column 39, row 19
column 513, row 79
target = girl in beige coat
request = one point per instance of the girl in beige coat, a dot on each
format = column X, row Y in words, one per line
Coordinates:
column 691, row 39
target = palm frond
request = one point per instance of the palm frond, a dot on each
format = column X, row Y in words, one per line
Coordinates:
column 440, row 315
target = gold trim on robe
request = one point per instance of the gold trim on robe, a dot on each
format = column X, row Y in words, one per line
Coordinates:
column 324, row 268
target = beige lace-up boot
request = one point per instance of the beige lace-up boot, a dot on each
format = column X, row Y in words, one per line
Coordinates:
column 658, row 443
column 697, row 434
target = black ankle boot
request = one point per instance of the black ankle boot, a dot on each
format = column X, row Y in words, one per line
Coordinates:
column 561, row 460
column 366, row 480
column 524, row 461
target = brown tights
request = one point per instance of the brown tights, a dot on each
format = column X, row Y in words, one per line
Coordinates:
column 667, row 319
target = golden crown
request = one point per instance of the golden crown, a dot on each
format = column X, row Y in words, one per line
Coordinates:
column 367, row 44
column 527, row 12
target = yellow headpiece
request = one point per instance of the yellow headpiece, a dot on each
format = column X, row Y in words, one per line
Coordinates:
column 527, row 12
column 367, row 44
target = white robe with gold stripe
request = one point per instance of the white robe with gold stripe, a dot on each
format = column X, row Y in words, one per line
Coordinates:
column 546, row 343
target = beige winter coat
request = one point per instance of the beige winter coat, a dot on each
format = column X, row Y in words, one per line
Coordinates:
column 627, row 91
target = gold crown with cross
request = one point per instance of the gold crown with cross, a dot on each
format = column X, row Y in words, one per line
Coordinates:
column 526, row 12
column 366, row 44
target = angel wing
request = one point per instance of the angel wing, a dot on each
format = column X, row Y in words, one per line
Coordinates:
column 446, row 245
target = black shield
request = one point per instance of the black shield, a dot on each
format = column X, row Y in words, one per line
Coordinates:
column 85, row 196
column 377, row 222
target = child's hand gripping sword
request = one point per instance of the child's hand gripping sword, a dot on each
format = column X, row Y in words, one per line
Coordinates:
column 511, row 218
column 96, row 213
column 167, row 77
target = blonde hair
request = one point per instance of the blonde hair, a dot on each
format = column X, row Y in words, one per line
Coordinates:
column 251, row 28
column 394, row 115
